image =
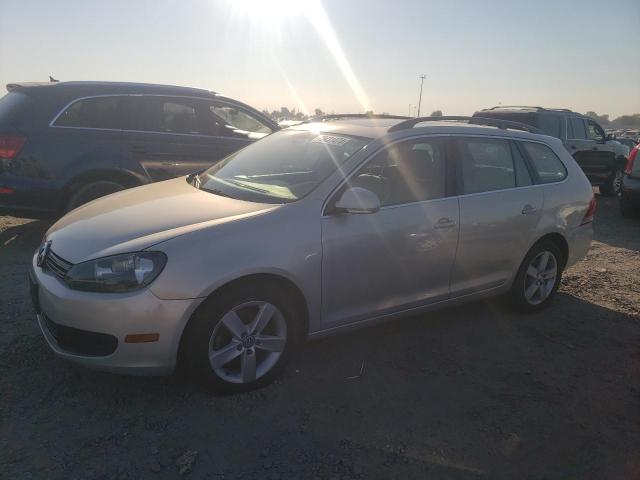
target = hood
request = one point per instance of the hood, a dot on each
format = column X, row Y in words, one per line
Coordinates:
column 138, row 218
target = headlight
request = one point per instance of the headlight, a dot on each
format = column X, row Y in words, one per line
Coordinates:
column 119, row 273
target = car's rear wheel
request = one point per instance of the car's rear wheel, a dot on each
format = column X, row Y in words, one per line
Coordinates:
column 92, row 191
column 241, row 339
column 538, row 278
column 613, row 185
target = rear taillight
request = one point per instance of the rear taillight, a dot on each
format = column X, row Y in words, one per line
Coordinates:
column 591, row 211
column 10, row 146
column 630, row 160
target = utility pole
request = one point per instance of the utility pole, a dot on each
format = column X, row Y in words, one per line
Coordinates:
column 421, row 77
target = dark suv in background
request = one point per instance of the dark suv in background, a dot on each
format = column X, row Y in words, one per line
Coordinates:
column 64, row 144
column 602, row 162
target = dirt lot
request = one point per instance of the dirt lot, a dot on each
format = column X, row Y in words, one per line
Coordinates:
column 469, row 393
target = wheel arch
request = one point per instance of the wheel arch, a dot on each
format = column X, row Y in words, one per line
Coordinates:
column 283, row 282
column 559, row 240
column 126, row 178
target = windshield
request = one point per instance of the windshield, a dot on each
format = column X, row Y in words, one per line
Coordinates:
column 280, row 168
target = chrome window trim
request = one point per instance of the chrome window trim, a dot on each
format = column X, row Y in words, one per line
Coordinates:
column 191, row 97
column 456, row 135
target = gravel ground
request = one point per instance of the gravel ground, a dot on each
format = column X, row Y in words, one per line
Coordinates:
column 468, row 393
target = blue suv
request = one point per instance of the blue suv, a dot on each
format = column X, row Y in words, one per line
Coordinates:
column 65, row 144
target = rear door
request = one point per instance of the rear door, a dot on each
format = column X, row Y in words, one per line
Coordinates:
column 499, row 210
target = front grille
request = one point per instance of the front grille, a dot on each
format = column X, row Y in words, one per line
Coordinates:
column 57, row 265
column 81, row 342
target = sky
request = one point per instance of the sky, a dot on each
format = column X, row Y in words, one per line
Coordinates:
column 341, row 55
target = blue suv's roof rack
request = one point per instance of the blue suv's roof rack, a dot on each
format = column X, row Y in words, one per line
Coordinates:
column 489, row 122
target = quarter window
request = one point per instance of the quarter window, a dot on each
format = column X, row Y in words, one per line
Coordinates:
column 546, row 163
column 97, row 112
column 406, row 172
column 486, row 165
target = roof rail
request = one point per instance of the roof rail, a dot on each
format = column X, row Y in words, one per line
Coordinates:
column 523, row 107
column 489, row 122
column 339, row 116
column 514, row 106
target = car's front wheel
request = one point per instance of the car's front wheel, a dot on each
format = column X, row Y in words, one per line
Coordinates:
column 92, row 191
column 538, row 278
column 242, row 338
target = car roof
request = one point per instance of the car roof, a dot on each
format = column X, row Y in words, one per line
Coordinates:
column 96, row 87
column 375, row 128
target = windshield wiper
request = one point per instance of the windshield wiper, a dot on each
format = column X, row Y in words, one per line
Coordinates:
column 217, row 192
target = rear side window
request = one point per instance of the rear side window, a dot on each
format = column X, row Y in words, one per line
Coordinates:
column 165, row 114
column 549, row 167
column 575, row 129
column 97, row 112
column 486, row 165
column 549, row 124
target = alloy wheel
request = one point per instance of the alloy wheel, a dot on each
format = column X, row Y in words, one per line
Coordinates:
column 247, row 342
column 541, row 278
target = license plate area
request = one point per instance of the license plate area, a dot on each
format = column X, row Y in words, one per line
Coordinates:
column 34, row 291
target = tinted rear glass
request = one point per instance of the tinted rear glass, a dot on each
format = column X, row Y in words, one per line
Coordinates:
column 549, row 124
column 11, row 107
column 97, row 112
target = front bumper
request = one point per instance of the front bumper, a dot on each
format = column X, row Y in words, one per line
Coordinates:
column 88, row 321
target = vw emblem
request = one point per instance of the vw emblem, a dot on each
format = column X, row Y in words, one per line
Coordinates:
column 42, row 253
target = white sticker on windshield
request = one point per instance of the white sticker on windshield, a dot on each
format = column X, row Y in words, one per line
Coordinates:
column 331, row 140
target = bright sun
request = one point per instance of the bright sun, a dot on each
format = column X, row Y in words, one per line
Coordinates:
column 271, row 11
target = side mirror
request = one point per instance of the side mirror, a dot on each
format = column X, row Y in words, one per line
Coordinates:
column 358, row 200
column 611, row 136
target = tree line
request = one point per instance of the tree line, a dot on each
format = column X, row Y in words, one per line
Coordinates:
column 624, row 121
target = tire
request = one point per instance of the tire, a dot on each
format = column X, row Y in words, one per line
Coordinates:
column 613, row 186
column 91, row 191
column 627, row 208
column 225, row 338
column 523, row 295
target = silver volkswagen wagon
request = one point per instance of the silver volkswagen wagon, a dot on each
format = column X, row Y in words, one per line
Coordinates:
column 317, row 229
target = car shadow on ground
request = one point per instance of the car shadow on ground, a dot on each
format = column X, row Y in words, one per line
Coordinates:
column 611, row 228
column 464, row 393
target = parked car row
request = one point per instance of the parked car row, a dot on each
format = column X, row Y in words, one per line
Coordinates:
column 319, row 228
column 603, row 160
column 65, row 144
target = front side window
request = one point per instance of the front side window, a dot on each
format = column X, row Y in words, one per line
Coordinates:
column 237, row 122
column 575, row 129
column 406, row 172
column 486, row 165
column 546, row 163
column 280, row 168
column 96, row 112
column 595, row 132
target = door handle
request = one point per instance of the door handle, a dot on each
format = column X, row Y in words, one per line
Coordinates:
column 573, row 147
column 595, row 148
column 529, row 209
column 445, row 222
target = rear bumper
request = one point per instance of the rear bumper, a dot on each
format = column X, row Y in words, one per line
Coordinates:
column 579, row 241
column 90, row 328
column 29, row 194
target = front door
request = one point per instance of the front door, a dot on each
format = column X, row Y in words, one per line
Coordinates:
column 401, row 256
column 174, row 136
